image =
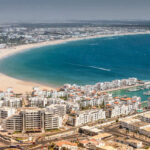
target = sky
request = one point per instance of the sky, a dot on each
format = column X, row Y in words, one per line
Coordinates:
column 63, row 10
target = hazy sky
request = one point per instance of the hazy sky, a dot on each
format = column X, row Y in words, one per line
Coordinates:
column 55, row 10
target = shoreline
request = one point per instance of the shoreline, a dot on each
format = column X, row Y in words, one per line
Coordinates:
column 6, row 52
column 25, row 86
column 19, row 86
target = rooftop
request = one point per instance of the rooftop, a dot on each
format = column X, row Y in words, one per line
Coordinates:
column 128, row 140
column 64, row 142
column 140, row 124
column 102, row 135
column 133, row 141
column 130, row 120
column 92, row 129
column 147, row 115
column 146, row 129
column 107, row 148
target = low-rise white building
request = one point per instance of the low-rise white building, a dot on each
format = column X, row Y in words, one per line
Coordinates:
column 136, row 125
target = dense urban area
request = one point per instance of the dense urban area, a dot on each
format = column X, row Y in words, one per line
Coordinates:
column 18, row 34
column 75, row 117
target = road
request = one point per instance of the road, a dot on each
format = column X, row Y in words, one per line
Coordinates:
column 115, row 131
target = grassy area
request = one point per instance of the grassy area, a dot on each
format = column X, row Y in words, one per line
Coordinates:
column 52, row 130
column 17, row 132
column 21, row 138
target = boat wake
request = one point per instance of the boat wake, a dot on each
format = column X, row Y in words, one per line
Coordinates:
column 104, row 69
column 94, row 67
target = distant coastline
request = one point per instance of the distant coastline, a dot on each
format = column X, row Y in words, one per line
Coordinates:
column 24, row 86
column 16, row 49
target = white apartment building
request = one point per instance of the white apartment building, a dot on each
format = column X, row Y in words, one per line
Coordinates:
column 37, row 101
column 118, row 110
column 6, row 112
column 14, row 123
column 2, row 46
column 12, row 102
column 58, row 109
column 33, row 120
column 84, row 117
column 52, row 121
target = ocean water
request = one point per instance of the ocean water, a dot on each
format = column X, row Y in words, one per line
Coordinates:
column 83, row 62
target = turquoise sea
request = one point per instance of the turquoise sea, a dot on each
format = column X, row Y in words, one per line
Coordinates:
column 83, row 62
column 125, row 92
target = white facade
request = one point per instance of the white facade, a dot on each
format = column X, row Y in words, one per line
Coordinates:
column 58, row 109
column 6, row 112
column 86, row 117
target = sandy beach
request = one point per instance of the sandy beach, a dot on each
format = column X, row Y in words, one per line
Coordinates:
column 24, row 86
column 19, row 86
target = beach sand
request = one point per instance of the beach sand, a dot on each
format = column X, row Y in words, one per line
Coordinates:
column 19, row 86
column 24, row 86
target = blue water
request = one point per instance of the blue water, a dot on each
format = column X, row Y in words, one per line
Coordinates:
column 83, row 62
column 125, row 92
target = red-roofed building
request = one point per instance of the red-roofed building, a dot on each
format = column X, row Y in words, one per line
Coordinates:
column 66, row 144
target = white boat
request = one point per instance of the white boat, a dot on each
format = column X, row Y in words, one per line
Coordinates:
column 146, row 93
column 133, row 89
column 147, row 86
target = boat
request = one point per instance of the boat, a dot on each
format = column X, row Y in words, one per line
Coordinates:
column 147, row 86
column 146, row 93
column 133, row 89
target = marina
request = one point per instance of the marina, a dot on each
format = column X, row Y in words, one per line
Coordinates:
column 140, row 92
column 133, row 89
column 147, row 93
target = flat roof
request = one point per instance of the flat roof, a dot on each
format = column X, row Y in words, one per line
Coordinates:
column 128, row 140
column 121, row 146
column 85, row 127
column 31, row 109
column 130, row 120
column 102, row 135
column 108, row 148
column 133, row 141
column 7, row 108
column 147, row 129
column 147, row 115
column 92, row 129
column 140, row 124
